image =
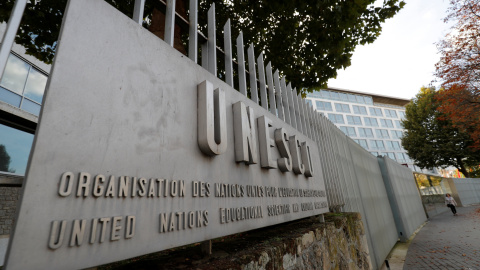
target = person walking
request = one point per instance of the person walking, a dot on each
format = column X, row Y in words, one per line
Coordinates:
column 451, row 203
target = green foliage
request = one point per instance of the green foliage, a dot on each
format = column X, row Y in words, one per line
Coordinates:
column 307, row 40
column 431, row 139
column 4, row 159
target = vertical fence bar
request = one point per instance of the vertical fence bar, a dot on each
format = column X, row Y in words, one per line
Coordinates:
column 292, row 103
column 192, row 31
column 252, row 74
column 227, row 41
column 304, row 116
column 212, row 41
column 242, row 81
column 301, row 114
column 170, row 22
column 261, row 78
column 271, row 90
column 138, row 11
column 205, row 55
column 285, row 99
column 10, row 33
column 278, row 95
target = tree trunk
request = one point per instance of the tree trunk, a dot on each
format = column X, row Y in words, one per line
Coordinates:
column 462, row 168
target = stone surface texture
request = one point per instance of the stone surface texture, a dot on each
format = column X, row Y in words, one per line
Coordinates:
column 339, row 243
column 8, row 204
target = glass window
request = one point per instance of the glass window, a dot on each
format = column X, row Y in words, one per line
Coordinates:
column 15, row 74
column 340, row 107
column 401, row 114
column 374, row 153
column 336, row 118
column 377, row 145
column 10, row 97
column 352, row 98
column 393, row 145
column 398, row 124
column 334, row 95
column 363, row 143
column 391, row 155
column 369, row 121
column 386, row 123
column 397, row 134
column 354, row 120
column 382, row 133
column 368, row 100
column 325, row 94
column 309, row 102
column 365, row 132
column 359, row 110
column 324, row 106
column 15, row 148
column 343, row 97
column 375, row 111
column 349, row 131
column 360, row 99
column 390, row 113
column 35, row 85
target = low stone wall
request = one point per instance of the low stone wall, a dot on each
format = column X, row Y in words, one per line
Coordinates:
column 338, row 243
column 9, row 197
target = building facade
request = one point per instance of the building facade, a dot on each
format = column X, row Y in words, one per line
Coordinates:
column 373, row 121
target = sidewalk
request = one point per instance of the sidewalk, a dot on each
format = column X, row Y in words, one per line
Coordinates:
column 447, row 242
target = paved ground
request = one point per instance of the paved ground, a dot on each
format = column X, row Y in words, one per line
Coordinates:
column 447, row 242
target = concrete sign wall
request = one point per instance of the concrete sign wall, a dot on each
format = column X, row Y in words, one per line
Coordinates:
column 137, row 151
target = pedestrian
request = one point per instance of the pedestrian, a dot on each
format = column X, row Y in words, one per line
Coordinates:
column 451, row 203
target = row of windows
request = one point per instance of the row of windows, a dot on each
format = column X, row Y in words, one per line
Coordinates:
column 400, row 157
column 379, row 144
column 362, row 110
column 368, row 133
column 369, row 121
column 22, row 85
column 332, row 95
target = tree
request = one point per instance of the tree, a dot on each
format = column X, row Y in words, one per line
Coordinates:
column 431, row 140
column 4, row 159
column 307, row 40
column 459, row 68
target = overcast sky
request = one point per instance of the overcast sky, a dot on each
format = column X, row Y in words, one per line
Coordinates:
column 403, row 57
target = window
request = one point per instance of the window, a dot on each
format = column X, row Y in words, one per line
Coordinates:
column 349, row 131
column 393, row 145
column 402, row 157
column 368, row 100
column 401, row 114
column 363, row 143
column 365, row 132
column 324, row 106
column 339, row 107
column 390, row 113
column 16, row 145
column 398, row 124
column 309, row 102
column 369, row 121
column 354, row 120
column 390, row 155
column 377, row 145
column 359, row 110
column 386, row 123
column 397, row 134
column 382, row 133
column 336, row 118
column 374, row 153
column 22, row 85
column 376, row 111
